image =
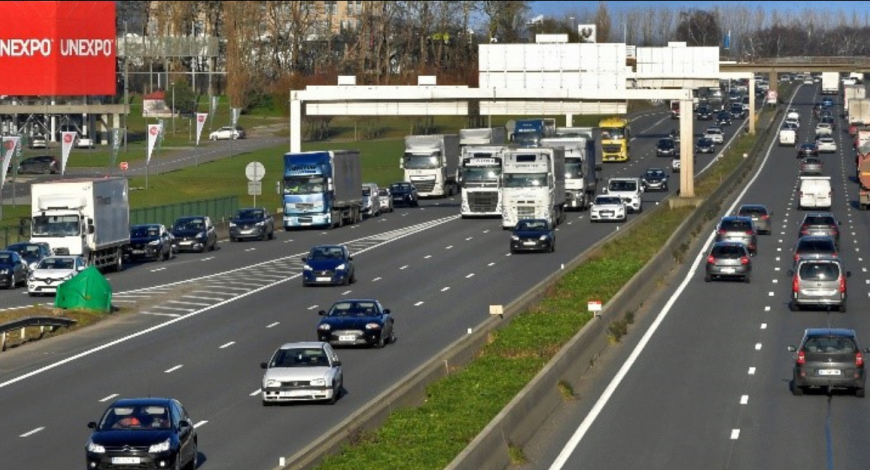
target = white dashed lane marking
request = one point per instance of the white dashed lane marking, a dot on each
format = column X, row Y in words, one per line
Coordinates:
column 224, row 346
column 418, row 303
column 103, row 400
column 255, row 392
column 469, row 276
column 346, row 292
column 272, row 325
column 403, row 267
column 199, row 424
column 173, row 369
column 744, row 399
column 376, row 279
column 427, row 256
column 30, row 433
column 752, row 371
column 735, row 434
column 764, row 326
column 766, row 309
column 312, row 307
column 445, row 289
column 758, row 346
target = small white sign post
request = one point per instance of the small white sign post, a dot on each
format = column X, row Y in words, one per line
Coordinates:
column 255, row 171
column 595, row 307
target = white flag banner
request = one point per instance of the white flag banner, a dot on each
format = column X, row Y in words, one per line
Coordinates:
column 200, row 122
column 67, row 140
column 153, row 135
column 9, row 144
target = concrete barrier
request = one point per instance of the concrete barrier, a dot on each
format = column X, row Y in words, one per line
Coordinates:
column 524, row 415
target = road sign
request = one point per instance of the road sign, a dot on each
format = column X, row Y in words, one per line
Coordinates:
column 124, row 166
column 594, row 306
column 771, row 96
column 255, row 188
column 255, row 171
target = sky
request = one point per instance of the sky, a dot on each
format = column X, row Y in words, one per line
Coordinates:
column 557, row 9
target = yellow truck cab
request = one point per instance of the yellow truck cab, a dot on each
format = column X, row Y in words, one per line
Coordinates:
column 615, row 139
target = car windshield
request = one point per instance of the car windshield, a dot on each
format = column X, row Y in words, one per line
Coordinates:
column 481, row 174
column 147, row 231
column 400, row 188
column 607, row 200
column 532, row 225
column 250, row 214
column 353, row 309
column 27, row 251
column 57, row 263
column 140, row 418
column 303, row 184
column 714, row 131
column 5, row 258
column 300, row 357
column 666, row 143
column 366, row 192
column 655, row 173
column 383, row 192
column 573, row 168
column 612, row 133
column 812, row 161
column 750, row 211
column 728, row 251
column 190, row 224
column 820, row 271
column 819, row 220
column 704, row 142
column 736, row 225
column 323, row 253
column 830, row 345
column 623, row 186
column 56, row 226
column 808, row 147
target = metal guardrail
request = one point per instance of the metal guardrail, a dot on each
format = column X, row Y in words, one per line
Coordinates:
column 24, row 323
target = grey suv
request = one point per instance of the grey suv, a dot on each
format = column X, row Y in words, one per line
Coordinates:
column 829, row 358
column 759, row 214
column 821, row 224
column 728, row 259
column 738, row 229
column 818, row 283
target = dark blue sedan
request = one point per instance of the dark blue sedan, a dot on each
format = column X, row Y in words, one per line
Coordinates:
column 328, row 264
column 705, row 146
column 533, row 235
column 356, row 322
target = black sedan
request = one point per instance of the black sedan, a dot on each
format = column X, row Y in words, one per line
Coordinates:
column 13, row 270
column 143, row 433
column 654, row 178
column 705, row 113
column 43, row 164
column 328, row 264
column 533, row 235
column 705, row 145
column 665, row 148
column 31, row 253
column 808, row 150
column 723, row 118
column 404, row 194
column 150, row 241
column 252, row 222
column 357, row 322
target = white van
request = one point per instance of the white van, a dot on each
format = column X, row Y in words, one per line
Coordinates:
column 787, row 137
column 815, row 192
column 371, row 201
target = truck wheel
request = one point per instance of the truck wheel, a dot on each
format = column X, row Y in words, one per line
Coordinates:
column 119, row 262
column 357, row 215
column 340, row 220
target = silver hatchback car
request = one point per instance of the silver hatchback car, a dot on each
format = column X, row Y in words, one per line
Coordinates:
column 738, row 229
column 819, row 283
column 728, row 260
column 759, row 214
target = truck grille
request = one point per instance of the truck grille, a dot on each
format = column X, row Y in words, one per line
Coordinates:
column 525, row 212
column 61, row 251
column 483, row 202
column 611, row 148
column 424, row 186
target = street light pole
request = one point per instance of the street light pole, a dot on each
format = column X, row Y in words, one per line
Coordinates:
column 173, row 109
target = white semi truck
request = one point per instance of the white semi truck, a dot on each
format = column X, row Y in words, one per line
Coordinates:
column 83, row 217
column 859, row 111
column 480, row 164
column 581, row 176
column 830, row 83
column 852, row 92
column 431, row 163
column 533, row 185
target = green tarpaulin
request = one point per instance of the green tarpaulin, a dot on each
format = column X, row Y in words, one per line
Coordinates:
column 87, row 290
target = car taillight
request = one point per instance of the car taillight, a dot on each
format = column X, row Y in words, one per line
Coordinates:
column 765, row 217
column 797, row 257
column 801, row 358
column 722, row 232
column 842, row 285
column 859, row 359
column 711, row 259
column 795, row 284
column 744, row 260
column 749, row 232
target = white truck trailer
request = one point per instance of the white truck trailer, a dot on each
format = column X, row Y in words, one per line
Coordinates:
column 533, row 185
column 431, row 163
column 83, row 217
column 830, row 83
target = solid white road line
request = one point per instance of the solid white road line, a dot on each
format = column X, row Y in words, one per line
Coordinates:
column 581, row 431
column 30, row 433
column 173, row 315
column 103, row 400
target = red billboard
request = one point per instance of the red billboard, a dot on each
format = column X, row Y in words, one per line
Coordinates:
column 57, row 48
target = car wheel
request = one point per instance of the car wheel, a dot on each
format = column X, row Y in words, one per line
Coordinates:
column 272, row 234
column 380, row 343
column 392, row 338
column 192, row 464
column 708, row 278
column 843, row 308
column 265, row 403
column 233, row 239
column 796, row 390
column 859, row 392
column 335, row 393
column 793, row 306
column 747, row 279
column 552, row 246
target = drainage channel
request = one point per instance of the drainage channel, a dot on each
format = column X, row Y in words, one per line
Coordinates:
column 184, row 297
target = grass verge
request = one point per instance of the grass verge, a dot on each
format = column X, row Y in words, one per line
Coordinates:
column 83, row 319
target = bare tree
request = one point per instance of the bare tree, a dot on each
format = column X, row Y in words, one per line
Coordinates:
column 602, row 23
column 699, row 28
column 505, row 19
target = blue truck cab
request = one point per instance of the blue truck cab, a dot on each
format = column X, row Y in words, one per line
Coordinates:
column 321, row 189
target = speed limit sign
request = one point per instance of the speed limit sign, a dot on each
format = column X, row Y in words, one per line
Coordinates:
column 124, row 166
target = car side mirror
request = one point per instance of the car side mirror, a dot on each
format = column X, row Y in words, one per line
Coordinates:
column 80, row 268
column 92, row 425
column 839, row 223
column 322, row 313
column 604, row 191
column 350, row 258
column 90, row 229
column 183, row 424
column 867, row 350
column 263, row 365
column 792, row 349
column 304, row 259
column 386, row 311
column 336, row 364
column 790, row 272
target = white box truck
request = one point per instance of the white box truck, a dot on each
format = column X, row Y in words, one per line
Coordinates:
column 534, row 185
column 859, row 111
column 581, row 177
column 83, row 217
column 830, row 83
column 851, row 92
column 431, row 163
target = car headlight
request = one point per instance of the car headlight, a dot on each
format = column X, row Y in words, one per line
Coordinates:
column 162, row 447
column 306, row 268
column 4, row 271
column 155, row 242
column 200, row 235
column 261, row 224
column 341, row 267
column 318, row 382
column 232, row 224
column 68, row 277
column 515, row 238
column 33, row 266
column 373, row 326
column 544, row 237
column 96, row 448
column 324, row 327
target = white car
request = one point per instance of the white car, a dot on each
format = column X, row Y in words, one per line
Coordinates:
column 808, row 80
column 793, row 123
column 607, row 208
column 715, row 134
column 629, row 189
column 793, row 114
column 676, row 164
column 306, row 371
column 823, row 129
column 386, row 200
column 227, row 133
column 39, row 142
column 52, row 272
column 826, row 145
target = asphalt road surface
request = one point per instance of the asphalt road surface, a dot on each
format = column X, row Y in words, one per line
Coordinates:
column 208, row 320
column 707, row 385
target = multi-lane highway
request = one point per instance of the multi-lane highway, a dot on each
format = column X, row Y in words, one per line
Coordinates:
column 706, row 385
column 206, row 321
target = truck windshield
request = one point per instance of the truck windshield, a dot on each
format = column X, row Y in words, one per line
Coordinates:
column 422, row 161
column 525, row 180
column 480, row 174
column 613, row 133
column 303, row 184
column 573, row 168
column 528, row 140
column 56, row 226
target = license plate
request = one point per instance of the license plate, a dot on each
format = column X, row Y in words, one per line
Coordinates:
column 727, row 270
column 125, row 460
column 347, row 338
column 323, row 279
column 299, row 393
column 138, row 252
column 529, row 243
column 189, row 242
column 607, row 214
column 830, row 372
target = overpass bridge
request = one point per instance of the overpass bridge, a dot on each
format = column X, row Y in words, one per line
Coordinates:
column 777, row 65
